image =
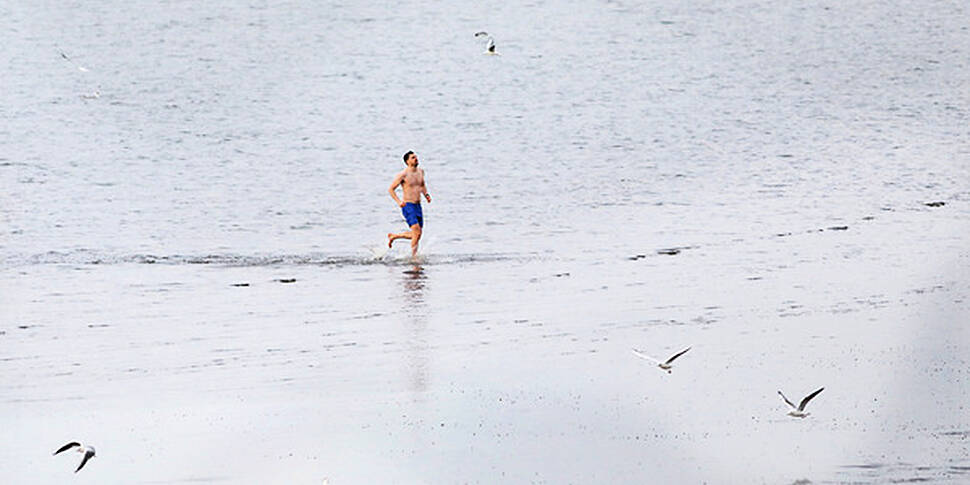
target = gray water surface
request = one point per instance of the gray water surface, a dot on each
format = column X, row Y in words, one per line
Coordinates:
column 188, row 281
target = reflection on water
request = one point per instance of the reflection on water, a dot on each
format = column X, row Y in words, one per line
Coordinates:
column 415, row 311
column 414, row 282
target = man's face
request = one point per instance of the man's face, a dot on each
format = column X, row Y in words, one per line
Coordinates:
column 413, row 160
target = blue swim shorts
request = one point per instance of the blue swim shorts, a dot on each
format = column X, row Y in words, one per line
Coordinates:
column 412, row 214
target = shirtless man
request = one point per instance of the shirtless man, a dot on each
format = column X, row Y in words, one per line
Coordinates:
column 411, row 181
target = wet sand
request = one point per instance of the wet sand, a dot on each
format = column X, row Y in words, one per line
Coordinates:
column 499, row 368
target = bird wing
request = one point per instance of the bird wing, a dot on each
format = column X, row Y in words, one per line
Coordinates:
column 678, row 354
column 801, row 406
column 481, row 33
column 490, row 45
column 67, row 447
column 68, row 59
column 87, row 456
column 644, row 356
column 786, row 400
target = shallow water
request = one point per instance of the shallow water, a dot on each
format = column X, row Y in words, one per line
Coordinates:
column 188, row 281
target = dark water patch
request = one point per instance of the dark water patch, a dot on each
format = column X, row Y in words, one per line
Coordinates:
column 329, row 347
column 932, row 289
column 285, row 280
column 367, row 316
column 11, row 359
column 239, row 284
column 817, row 230
column 656, row 322
column 873, row 301
column 902, row 472
column 792, row 311
column 673, row 251
column 866, row 466
column 702, row 320
column 98, row 325
column 556, row 335
column 934, row 204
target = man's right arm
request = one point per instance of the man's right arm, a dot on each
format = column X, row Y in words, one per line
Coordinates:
column 393, row 188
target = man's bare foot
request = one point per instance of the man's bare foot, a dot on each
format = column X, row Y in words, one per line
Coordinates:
column 390, row 239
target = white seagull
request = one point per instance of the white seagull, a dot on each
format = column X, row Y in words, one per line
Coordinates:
column 88, row 452
column 799, row 412
column 489, row 44
column 665, row 365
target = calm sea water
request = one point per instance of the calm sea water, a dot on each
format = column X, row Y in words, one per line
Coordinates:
column 186, row 228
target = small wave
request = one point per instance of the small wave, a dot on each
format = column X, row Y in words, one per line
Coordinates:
column 88, row 257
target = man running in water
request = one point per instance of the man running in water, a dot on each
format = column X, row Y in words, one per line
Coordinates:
column 411, row 181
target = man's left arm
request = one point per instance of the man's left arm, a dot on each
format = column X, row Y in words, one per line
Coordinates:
column 424, row 187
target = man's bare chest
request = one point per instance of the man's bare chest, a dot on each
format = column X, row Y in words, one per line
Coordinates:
column 413, row 179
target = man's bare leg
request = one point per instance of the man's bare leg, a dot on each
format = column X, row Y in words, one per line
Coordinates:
column 415, row 237
column 391, row 237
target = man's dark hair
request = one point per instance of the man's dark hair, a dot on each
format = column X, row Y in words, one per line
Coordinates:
column 406, row 155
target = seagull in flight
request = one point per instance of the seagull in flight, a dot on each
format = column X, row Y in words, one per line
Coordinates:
column 665, row 365
column 489, row 43
column 88, row 452
column 68, row 59
column 799, row 412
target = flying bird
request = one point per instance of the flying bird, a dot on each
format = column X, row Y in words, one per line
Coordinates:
column 665, row 365
column 88, row 452
column 799, row 412
column 489, row 43
column 68, row 59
